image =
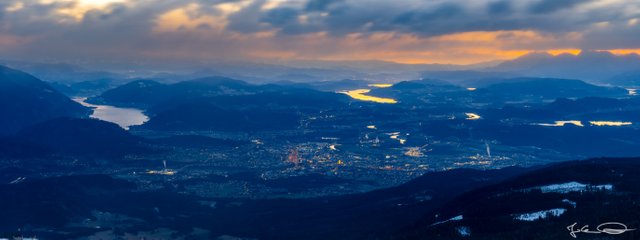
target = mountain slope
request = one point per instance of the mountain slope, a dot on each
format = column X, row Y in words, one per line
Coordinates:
column 206, row 116
column 147, row 93
column 25, row 100
column 551, row 88
column 86, row 137
column 340, row 217
column 269, row 110
column 541, row 204
column 441, row 205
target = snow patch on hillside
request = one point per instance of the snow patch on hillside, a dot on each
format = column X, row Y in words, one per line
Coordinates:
column 572, row 203
column 456, row 218
column 572, row 187
column 464, row 231
column 556, row 212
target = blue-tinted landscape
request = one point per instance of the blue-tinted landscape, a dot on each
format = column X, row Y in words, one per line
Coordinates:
column 319, row 119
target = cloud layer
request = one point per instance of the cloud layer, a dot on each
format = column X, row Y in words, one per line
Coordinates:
column 446, row 31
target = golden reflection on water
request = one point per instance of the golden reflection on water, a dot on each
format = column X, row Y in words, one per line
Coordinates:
column 472, row 116
column 360, row 94
column 580, row 124
column 609, row 123
column 562, row 123
column 381, row 85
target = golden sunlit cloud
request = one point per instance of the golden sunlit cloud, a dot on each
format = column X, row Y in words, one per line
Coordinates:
column 15, row 7
column 182, row 18
column 79, row 8
column 232, row 7
column 272, row 4
column 188, row 17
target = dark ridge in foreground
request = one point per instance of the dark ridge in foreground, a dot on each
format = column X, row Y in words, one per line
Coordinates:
column 588, row 192
column 456, row 204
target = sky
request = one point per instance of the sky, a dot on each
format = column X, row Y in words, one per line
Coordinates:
column 405, row 31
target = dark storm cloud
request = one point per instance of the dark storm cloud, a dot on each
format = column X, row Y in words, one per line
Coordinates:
column 280, row 16
column 427, row 21
column 340, row 17
column 425, row 18
column 117, row 30
column 320, row 5
column 549, row 6
column 348, row 18
column 116, row 11
column 613, row 37
column 287, row 20
column 248, row 19
column 444, row 11
column 128, row 28
column 499, row 8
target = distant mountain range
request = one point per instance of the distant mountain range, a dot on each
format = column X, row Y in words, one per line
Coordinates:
column 591, row 66
column 60, row 72
column 218, row 103
column 87, row 88
column 338, row 85
column 588, row 65
column 26, row 100
column 630, row 79
column 550, row 88
column 496, row 90
column 255, row 72
column 146, row 93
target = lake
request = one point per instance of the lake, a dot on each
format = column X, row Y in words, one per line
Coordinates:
column 360, row 94
column 124, row 117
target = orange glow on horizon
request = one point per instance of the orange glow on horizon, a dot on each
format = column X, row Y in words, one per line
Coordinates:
column 556, row 52
column 500, row 55
column 624, row 51
column 478, row 55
